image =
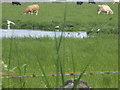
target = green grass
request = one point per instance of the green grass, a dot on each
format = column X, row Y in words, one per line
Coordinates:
column 102, row 49
column 81, row 17
column 45, row 55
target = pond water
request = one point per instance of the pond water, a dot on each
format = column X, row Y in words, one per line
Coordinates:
column 5, row 33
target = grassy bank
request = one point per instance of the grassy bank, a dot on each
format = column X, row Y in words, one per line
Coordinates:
column 78, row 17
column 24, row 53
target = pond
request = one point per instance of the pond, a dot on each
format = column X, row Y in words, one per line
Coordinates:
column 5, row 33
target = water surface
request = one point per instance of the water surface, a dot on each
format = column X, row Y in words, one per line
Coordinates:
column 39, row 33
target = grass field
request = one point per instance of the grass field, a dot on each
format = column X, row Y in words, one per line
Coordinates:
column 31, row 55
column 78, row 17
column 101, row 50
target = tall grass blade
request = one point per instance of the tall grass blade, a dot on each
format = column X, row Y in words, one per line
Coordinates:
column 58, row 45
column 77, row 82
column 25, row 70
column 80, row 76
column 57, row 61
column 73, row 64
column 62, row 74
column 45, row 77
column 65, row 13
column 58, row 50
column 57, row 72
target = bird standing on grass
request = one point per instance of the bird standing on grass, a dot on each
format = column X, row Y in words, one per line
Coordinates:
column 9, row 22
